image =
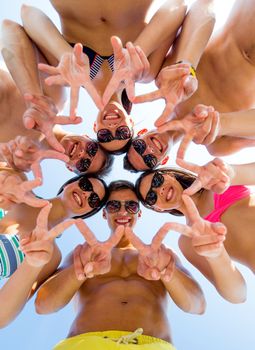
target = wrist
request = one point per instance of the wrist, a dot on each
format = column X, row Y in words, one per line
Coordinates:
column 192, row 69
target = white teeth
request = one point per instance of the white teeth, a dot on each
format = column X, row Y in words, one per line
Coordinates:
column 122, row 221
column 77, row 198
column 111, row 117
column 73, row 150
column 170, row 194
column 157, row 143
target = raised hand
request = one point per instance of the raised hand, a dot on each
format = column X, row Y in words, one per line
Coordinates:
column 215, row 175
column 155, row 260
column 200, row 126
column 14, row 190
column 38, row 247
column 130, row 66
column 24, row 154
column 207, row 238
column 93, row 257
column 73, row 70
column 42, row 116
column 175, row 84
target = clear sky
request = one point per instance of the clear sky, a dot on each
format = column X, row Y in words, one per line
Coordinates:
column 224, row 326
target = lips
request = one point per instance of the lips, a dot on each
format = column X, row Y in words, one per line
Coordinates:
column 77, row 198
column 122, row 221
column 157, row 144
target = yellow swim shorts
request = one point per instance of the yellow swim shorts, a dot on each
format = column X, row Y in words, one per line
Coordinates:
column 113, row 340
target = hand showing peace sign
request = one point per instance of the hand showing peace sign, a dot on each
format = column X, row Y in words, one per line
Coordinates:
column 42, row 116
column 175, row 84
column 155, row 260
column 215, row 175
column 73, row 70
column 93, row 257
column 38, row 248
column 14, row 190
column 130, row 66
column 207, row 238
column 24, row 154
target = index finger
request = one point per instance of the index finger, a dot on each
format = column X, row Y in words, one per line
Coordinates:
column 42, row 218
column 192, row 212
column 188, row 165
column 111, row 87
column 31, row 184
column 50, row 154
column 116, row 237
column 160, row 235
column 58, row 229
column 150, row 96
column 86, row 232
column 52, row 140
column 185, row 142
column 136, row 242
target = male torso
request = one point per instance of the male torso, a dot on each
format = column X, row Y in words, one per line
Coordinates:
column 226, row 72
column 93, row 22
column 122, row 300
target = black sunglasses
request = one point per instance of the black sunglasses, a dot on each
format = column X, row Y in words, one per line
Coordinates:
column 149, row 159
column 113, row 206
column 122, row 133
column 86, row 185
column 157, row 181
column 83, row 164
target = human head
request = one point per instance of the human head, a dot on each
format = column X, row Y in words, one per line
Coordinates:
column 123, row 191
column 113, row 125
column 147, row 151
column 86, row 155
column 169, row 184
column 83, row 195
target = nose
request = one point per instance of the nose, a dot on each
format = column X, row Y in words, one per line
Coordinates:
column 162, row 190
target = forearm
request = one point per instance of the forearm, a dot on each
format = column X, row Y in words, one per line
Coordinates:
column 57, row 291
column 163, row 25
column 225, row 145
column 44, row 33
column 243, row 174
column 196, row 31
column 14, row 294
column 239, row 124
column 227, row 279
column 185, row 292
column 19, row 56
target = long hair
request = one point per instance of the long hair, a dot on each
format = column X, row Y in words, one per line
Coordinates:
column 184, row 178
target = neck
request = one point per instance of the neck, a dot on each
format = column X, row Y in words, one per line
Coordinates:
column 58, row 212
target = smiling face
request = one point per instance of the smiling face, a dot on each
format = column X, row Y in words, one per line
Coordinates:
column 84, row 153
column 80, row 198
column 121, row 217
column 161, row 191
column 113, row 126
column 148, row 150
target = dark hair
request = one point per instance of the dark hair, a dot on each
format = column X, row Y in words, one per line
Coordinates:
column 128, row 166
column 121, row 185
column 184, row 178
column 122, row 150
column 126, row 103
column 102, row 202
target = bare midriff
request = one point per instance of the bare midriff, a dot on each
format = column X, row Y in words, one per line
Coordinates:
column 122, row 300
column 93, row 22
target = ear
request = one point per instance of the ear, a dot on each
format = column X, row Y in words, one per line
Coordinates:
column 165, row 160
column 95, row 127
column 132, row 122
column 142, row 132
column 104, row 214
column 139, row 213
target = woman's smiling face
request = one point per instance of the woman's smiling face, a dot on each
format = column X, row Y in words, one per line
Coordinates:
column 161, row 191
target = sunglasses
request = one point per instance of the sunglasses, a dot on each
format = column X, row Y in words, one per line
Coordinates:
column 149, row 159
column 83, row 164
column 113, row 206
column 122, row 133
column 86, row 186
column 157, row 181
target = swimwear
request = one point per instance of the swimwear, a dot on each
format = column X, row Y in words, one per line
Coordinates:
column 96, row 60
column 113, row 340
column 225, row 200
column 10, row 254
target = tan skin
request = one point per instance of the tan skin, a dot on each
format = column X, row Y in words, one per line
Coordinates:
column 238, row 219
column 119, row 299
column 226, row 73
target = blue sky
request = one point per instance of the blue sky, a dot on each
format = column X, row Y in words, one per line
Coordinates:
column 224, row 326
